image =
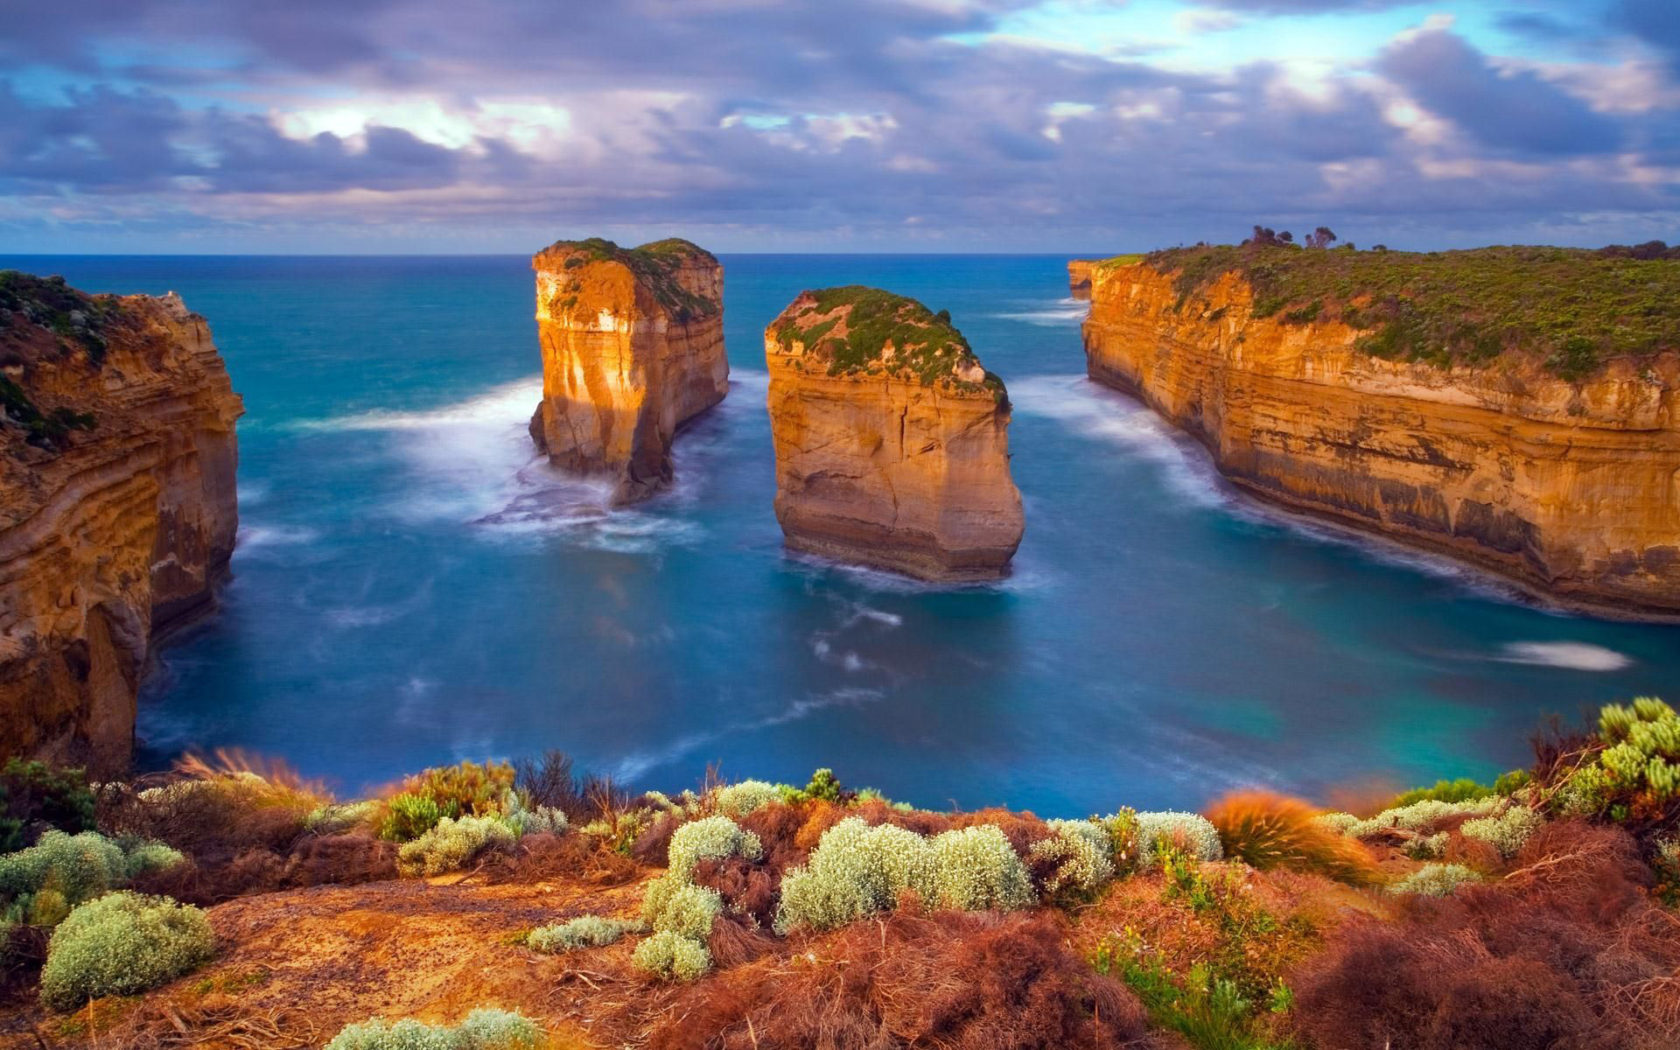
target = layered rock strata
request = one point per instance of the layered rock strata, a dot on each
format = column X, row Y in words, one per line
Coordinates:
column 891, row 440
column 118, row 506
column 632, row 348
column 1569, row 486
column 1079, row 277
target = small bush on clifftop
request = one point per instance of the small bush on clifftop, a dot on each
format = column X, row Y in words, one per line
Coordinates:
column 122, row 944
column 451, row 844
column 483, row 1029
column 585, row 931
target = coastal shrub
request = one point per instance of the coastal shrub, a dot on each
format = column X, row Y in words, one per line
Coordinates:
column 34, row 794
column 122, row 944
column 1190, row 833
column 1461, row 790
column 464, row 789
column 451, row 844
column 1266, row 830
column 976, row 869
column 974, row 981
column 217, row 808
column 710, row 837
column 1435, row 880
column 1420, row 818
column 854, row 870
column 585, row 931
column 670, row 955
column 76, row 868
column 1122, row 829
column 680, row 907
column 1665, row 861
column 1081, row 858
column 483, row 1029
column 1505, row 831
column 737, row 800
column 1630, row 772
column 536, row 819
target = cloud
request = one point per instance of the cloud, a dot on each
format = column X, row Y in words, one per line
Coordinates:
column 1514, row 111
column 1653, row 21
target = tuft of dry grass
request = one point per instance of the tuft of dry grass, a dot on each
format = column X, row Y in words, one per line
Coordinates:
column 1268, row 830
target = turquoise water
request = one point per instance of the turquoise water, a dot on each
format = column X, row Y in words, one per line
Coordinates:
column 411, row 587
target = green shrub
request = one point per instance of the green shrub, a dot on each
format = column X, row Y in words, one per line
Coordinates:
column 824, row 786
column 1190, row 833
column 1421, row 817
column 975, row 869
column 1461, row 790
column 671, row 955
column 855, row 870
column 407, row 817
column 122, row 944
column 737, row 800
column 1083, row 854
column 32, row 792
column 1122, row 829
column 1633, row 771
column 483, row 1029
column 585, row 931
column 525, row 820
column 79, row 866
column 1435, row 880
column 464, row 789
column 1506, row 831
column 681, row 907
column 451, row 844
column 711, row 838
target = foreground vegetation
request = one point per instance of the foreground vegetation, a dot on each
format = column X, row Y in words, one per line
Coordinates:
column 1575, row 308
column 1534, row 912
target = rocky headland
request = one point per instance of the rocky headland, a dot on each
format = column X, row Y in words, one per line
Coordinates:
column 891, row 439
column 1079, row 277
column 118, row 507
column 632, row 348
column 1514, row 407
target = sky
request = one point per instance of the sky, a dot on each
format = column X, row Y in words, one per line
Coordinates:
column 1076, row 126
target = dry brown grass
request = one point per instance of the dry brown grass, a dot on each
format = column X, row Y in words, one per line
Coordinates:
column 1268, row 830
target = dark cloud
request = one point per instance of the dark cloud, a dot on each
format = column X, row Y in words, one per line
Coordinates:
column 1517, row 112
column 1657, row 22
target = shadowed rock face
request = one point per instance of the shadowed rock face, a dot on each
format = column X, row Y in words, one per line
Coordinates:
column 1079, row 278
column 118, row 507
column 892, row 442
column 632, row 348
column 1566, row 487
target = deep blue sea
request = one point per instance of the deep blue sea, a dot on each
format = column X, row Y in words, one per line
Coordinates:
column 412, row 587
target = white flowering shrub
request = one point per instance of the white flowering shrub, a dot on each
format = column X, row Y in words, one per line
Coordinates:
column 1505, row 831
column 585, row 931
column 483, row 1029
column 1083, row 853
column 1190, row 832
column 122, row 944
column 671, row 955
column 79, row 867
column 1337, row 822
column 855, row 869
column 535, row 820
column 737, row 800
column 1435, row 880
column 709, row 838
column 681, row 907
column 1422, row 816
column 451, row 843
column 975, row 869
column 1428, row 847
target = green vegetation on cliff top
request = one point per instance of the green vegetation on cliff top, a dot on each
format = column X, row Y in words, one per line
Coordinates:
column 1578, row 308
column 926, row 346
column 655, row 264
column 75, row 320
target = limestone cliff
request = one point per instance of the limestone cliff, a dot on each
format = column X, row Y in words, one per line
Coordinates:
column 632, row 348
column 892, row 442
column 1079, row 277
column 117, row 505
column 1562, row 472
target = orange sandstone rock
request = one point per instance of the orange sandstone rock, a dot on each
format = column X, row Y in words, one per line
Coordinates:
column 118, row 507
column 892, row 442
column 1572, row 489
column 1079, row 277
column 632, row 348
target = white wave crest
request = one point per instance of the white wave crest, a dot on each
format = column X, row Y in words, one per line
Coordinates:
column 1570, row 656
column 1062, row 313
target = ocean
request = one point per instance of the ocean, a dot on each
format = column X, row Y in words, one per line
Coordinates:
column 412, row 586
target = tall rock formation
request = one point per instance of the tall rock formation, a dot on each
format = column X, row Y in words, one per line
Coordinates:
column 1079, row 277
column 632, row 348
column 117, row 505
column 1560, row 470
column 892, row 442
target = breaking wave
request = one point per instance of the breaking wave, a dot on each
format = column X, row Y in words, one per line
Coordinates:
column 1570, row 656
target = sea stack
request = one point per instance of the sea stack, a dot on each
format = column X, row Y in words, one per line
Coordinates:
column 632, row 348
column 1079, row 277
column 118, row 507
column 1518, row 408
column 892, row 442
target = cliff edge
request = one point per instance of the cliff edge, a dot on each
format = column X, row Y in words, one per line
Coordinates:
column 891, row 440
column 1514, row 407
column 632, row 348
column 118, row 507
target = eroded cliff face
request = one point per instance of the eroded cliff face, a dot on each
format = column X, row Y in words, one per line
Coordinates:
column 891, row 451
column 1079, row 277
column 118, row 507
column 632, row 348
column 1573, row 489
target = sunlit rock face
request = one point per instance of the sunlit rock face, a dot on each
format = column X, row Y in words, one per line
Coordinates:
column 892, row 442
column 632, row 348
column 1572, row 489
column 1079, row 278
column 118, row 507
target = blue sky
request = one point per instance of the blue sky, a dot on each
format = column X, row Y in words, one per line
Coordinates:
column 835, row 125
